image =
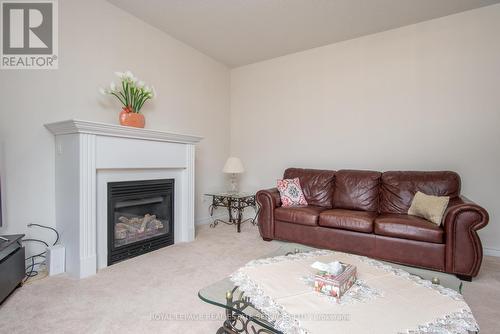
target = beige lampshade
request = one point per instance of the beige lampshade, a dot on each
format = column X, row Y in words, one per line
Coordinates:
column 233, row 165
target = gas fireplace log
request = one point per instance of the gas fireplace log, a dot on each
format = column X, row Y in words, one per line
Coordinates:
column 147, row 218
column 137, row 224
column 132, row 225
column 154, row 224
column 121, row 231
column 127, row 227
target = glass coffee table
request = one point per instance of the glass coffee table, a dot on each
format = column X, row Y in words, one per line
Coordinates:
column 243, row 317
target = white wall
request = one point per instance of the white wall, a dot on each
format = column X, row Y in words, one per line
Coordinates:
column 95, row 40
column 422, row 97
column 419, row 97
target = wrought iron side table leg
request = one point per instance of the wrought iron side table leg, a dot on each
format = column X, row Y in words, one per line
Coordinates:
column 256, row 207
column 230, row 215
column 238, row 216
column 239, row 223
column 211, row 208
column 230, row 210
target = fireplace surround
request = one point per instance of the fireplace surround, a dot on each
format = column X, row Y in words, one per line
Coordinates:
column 89, row 156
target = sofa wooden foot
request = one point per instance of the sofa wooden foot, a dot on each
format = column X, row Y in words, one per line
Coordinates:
column 464, row 278
column 267, row 239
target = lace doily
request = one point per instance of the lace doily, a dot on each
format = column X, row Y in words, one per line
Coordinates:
column 461, row 322
column 274, row 313
column 455, row 295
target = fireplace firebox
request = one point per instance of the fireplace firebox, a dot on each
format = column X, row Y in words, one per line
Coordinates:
column 140, row 217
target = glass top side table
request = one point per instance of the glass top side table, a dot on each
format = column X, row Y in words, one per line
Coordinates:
column 235, row 203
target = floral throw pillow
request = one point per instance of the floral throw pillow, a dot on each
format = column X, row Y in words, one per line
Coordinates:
column 291, row 192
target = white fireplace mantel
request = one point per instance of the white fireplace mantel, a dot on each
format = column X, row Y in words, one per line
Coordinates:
column 90, row 154
column 103, row 129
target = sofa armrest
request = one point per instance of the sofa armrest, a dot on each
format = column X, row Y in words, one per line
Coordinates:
column 268, row 200
column 464, row 252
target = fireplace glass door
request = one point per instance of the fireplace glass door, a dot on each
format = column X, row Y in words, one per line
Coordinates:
column 140, row 217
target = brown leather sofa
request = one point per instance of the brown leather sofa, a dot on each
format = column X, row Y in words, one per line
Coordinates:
column 365, row 212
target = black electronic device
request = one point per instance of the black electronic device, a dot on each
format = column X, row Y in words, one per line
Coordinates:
column 12, row 264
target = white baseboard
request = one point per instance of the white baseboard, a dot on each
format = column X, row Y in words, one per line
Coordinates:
column 492, row 252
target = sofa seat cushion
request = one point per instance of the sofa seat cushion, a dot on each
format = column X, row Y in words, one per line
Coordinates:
column 408, row 227
column 306, row 215
column 359, row 221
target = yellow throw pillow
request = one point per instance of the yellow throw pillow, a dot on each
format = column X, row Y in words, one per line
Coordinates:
column 429, row 207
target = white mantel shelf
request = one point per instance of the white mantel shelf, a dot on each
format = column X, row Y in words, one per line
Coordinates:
column 103, row 129
column 88, row 156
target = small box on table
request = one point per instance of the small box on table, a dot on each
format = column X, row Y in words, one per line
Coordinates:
column 335, row 285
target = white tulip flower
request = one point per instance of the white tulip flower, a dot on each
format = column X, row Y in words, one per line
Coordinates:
column 130, row 76
column 130, row 90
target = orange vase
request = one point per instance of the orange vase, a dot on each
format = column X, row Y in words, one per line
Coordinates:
column 133, row 119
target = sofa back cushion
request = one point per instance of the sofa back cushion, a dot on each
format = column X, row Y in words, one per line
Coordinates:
column 357, row 190
column 316, row 184
column 399, row 188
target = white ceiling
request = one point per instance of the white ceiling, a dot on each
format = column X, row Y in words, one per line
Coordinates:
column 240, row 32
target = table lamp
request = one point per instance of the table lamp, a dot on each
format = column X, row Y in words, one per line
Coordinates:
column 233, row 166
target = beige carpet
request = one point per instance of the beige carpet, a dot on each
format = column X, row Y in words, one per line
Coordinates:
column 123, row 297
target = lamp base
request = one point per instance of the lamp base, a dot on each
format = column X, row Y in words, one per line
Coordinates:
column 233, row 188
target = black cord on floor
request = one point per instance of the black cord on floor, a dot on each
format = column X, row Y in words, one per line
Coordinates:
column 30, row 270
